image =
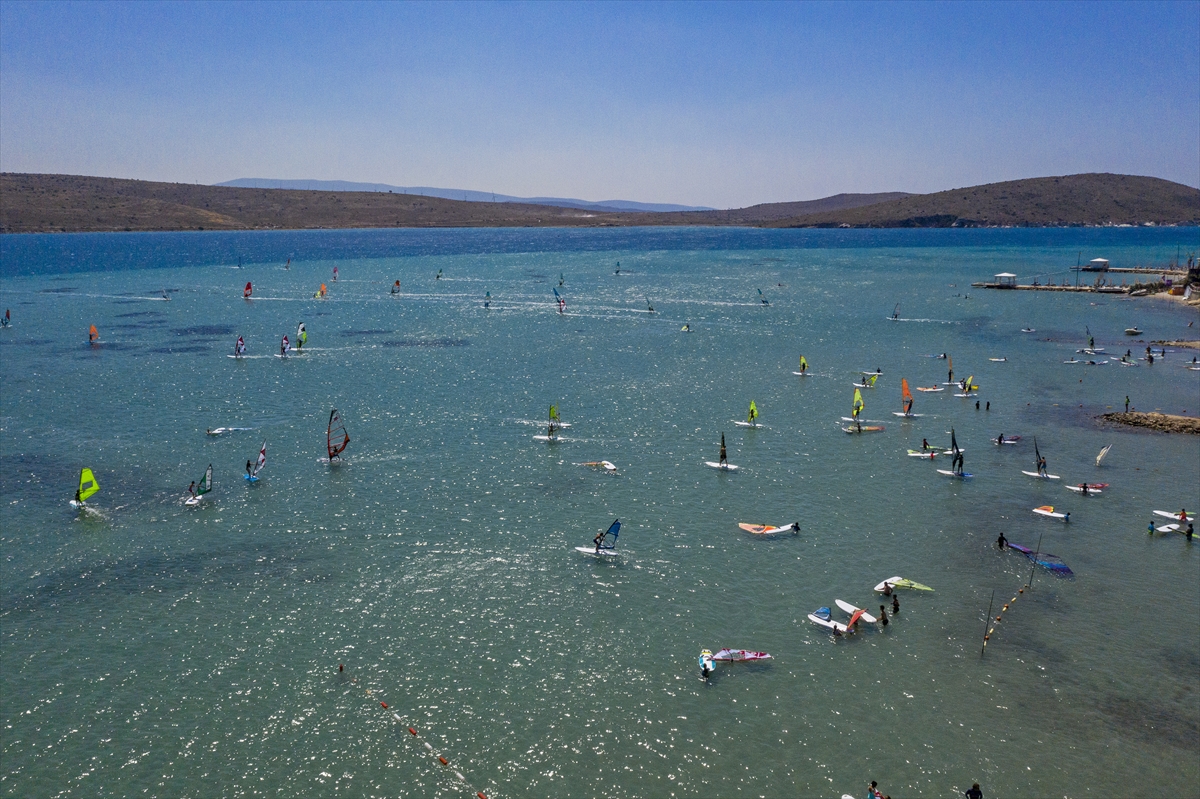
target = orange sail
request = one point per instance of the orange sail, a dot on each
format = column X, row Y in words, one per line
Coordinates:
column 904, row 392
column 93, row 334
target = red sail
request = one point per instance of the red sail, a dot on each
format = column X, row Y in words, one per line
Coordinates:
column 336, row 436
column 247, row 291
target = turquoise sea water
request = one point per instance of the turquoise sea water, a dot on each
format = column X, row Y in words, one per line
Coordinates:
column 158, row 649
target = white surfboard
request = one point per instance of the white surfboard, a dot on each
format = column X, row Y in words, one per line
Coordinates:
column 752, row 425
column 997, row 360
column 801, row 374
column 949, row 473
column 830, row 623
column 1049, row 511
column 1079, row 490
column 1175, row 516
column 1041, row 476
column 846, row 606
column 192, row 501
column 727, row 467
column 966, row 396
column 603, row 553
column 548, row 439
column 931, row 389
column 916, row 453
column 907, row 415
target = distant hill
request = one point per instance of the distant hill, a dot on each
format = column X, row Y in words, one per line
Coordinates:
column 53, row 203
column 1070, row 200
column 456, row 194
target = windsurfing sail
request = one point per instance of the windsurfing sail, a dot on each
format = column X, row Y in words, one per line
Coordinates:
column 396, row 287
column 1037, row 457
column 336, row 437
column 335, row 274
column 87, row 485
column 1044, row 559
column 301, row 335
column 284, row 346
column 561, row 279
column 246, row 292
column 734, row 655
column 487, row 299
column 93, row 335
column 205, row 483
column 906, row 395
column 1103, row 452
column 896, row 311
column 970, row 386
column 957, row 458
column 870, row 380
column 752, row 414
column 761, row 298
column 950, row 361
column 613, row 530
column 320, row 295
column 803, row 364
column 562, row 304
column 240, row 347
column 858, row 406
column 555, row 421
column 262, row 460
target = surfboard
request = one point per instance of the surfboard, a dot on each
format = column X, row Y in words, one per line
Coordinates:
column 916, row 453
column 728, row 467
column 1041, row 476
column 1169, row 528
column 249, row 478
column 949, row 473
column 846, row 606
column 866, row 428
column 1079, row 490
column 766, row 529
column 192, row 501
column 830, row 623
column 907, row 415
column 1048, row 510
column 966, row 396
column 997, row 360
column 603, row 553
column 1175, row 516
column 548, row 439
column 802, row 374
column 931, row 389
column 752, row 425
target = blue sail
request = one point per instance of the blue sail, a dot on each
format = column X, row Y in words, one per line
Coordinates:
column 614, row 530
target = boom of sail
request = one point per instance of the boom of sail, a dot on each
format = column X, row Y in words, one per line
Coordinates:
column 336, row 437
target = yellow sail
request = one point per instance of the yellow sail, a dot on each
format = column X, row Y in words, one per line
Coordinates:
column 858, row 403
column 752, row 414
column 803, row 363
column 87, row 484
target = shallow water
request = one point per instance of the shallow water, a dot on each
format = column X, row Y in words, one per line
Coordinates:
column 163, row 649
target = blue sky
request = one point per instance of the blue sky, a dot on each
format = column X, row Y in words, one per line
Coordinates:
column 713, row 104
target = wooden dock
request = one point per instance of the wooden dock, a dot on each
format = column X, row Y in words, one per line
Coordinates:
column 1039, row 287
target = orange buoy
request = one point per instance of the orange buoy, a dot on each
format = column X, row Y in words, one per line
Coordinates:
column 443, row 760
column 410, row 729
column 384, row 705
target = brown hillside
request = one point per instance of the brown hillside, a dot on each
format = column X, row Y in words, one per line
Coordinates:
column 1092, row 199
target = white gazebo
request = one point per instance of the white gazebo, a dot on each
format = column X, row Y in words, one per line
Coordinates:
column 1006, row 280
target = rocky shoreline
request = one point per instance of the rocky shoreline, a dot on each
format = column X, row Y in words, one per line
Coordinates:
column 1163, row 422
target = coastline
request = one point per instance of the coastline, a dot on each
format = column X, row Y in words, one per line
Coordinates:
column 1162, row 422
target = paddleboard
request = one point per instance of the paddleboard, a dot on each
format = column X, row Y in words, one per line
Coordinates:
column 949, row 473
column 903, row 582
column 866, row 428
column 830, row 623
column 930, row 389
column 916, row 453
column 846, row 606
column 1048, row 510
column 1041, row 476
column 1079, row 490
column 766, row 529
column 739, row 655
column 1175, row 516
column 997, row 360
column 603, row 553
column 1028, row 330
column 728, row 467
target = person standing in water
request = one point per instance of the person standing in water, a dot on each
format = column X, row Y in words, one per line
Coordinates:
column 1001, row 542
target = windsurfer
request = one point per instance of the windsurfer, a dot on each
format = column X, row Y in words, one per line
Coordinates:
column 7, row 318
column 924, row 444
column 249, row 469
column 79, row 500
column 192, row 489
column 1000, row 439
column 1041, row 465
column 396, row 287
column 598, row 540
column 724, row 459
column 1001, row 542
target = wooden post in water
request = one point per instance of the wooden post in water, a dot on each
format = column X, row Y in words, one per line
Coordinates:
column 986, row 622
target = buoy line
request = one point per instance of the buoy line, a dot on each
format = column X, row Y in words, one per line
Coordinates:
column 429, row 747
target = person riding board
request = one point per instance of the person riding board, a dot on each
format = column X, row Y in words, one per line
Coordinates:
column 396, row 287
column 192, row 489
column 724, row 459
column 1042, row 465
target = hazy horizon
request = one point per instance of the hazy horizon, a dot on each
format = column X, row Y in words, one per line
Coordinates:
column 713, row 105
